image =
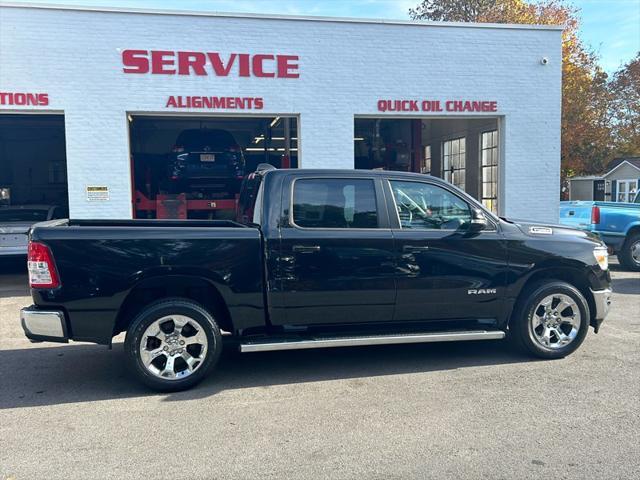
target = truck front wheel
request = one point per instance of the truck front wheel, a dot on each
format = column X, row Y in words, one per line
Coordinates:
column 551, row 320
column 172, row 344
column 629, row 255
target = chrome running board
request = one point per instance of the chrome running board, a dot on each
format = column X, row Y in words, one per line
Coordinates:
column 355, row 341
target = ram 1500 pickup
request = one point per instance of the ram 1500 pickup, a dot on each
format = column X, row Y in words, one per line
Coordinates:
column 616, row 223
column 317, row 258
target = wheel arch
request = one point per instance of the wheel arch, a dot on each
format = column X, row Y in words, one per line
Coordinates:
column 632, row 229
column 625, row 254
column 190, row 287
column 572, row 276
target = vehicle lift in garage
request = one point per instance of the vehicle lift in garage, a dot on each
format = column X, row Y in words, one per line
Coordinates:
column 178, row 206
column 203, row 197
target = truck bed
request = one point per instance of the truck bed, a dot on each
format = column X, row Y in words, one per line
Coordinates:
column 615, row 218
column 104, row 264
column 612, row 221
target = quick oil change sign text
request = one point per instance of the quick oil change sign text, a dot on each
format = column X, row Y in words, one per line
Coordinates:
column 167, row 62
column 437, row 106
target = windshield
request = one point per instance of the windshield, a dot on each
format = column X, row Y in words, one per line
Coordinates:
column 22, row 215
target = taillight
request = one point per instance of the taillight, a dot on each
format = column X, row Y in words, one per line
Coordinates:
column 595, row 215
column 177, row 149
column 42, row 269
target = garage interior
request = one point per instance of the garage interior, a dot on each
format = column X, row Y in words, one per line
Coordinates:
column 33, row 158
column 463, row 151
column 33, row 165
column 154, row 146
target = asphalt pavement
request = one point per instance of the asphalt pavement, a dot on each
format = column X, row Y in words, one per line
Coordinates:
column 455, row 410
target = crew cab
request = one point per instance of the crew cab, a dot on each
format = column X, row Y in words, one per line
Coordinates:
column 316, row 258
column 616, row 223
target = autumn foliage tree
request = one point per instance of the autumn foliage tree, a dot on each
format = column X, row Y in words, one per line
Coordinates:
column 625, row 109
column 587, row 96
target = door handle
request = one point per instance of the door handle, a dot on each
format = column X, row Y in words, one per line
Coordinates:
column 306, row 248
column 414, row 248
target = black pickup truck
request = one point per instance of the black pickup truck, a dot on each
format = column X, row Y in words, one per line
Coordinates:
column 316, row 258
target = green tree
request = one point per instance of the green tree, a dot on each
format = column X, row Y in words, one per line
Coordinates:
column 452, row 10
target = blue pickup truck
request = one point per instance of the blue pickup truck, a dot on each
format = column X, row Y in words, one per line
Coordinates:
column 617, row 224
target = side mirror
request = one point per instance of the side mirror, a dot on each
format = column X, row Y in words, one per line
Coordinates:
column 478, row 221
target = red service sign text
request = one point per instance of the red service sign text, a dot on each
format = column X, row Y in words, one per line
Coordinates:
column 437, row 106
column 24, row 99
column 215, row 103
column 167, row 62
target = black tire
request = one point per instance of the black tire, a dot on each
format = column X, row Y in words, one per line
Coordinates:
column 165, row 308
column 521, row 330
column 625, row 255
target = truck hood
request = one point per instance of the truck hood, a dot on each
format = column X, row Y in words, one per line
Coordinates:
column 540, row 230
column 15, row 227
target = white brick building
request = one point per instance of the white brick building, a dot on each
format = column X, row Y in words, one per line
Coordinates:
column 329, row 104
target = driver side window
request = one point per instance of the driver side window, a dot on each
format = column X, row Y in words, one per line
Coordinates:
column 425, row 206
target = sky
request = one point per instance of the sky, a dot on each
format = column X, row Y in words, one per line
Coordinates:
column 610, row 27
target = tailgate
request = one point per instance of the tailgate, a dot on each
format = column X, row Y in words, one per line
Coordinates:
column 576, row 215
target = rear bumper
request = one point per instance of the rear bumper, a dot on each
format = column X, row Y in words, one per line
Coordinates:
column 13, row 251
column 602, row 301
column 13, row 243
column 44, row 325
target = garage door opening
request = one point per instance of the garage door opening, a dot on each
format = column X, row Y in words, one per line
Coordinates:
column 193, row 167
column 464, row 152
column 33, row 175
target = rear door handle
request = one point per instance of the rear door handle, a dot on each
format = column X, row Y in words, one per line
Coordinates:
column 306, row 248
column 414, row 248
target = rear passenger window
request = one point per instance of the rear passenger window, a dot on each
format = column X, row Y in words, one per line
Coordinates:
column 334, row 203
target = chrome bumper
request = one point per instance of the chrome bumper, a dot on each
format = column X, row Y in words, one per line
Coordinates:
column 602, row 300
column 13, row 251
column 43, row 325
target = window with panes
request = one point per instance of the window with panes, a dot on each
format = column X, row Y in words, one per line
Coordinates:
column 426, row 161
column 454, row 161
column 489, row 169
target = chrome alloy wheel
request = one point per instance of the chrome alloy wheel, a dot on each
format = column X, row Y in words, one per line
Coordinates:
column 635, row 252
column 556, row 321
column 173, row 347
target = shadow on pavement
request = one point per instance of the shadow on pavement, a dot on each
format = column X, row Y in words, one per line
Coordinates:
column 13, row 277
column 86, row 373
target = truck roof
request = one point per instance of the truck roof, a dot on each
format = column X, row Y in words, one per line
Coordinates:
column 348, row 172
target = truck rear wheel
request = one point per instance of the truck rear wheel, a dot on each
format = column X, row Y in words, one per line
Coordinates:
column 172, row 344
column 551, row 320
column 629, row 255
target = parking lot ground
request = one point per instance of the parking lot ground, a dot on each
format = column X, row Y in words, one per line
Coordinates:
column 456, row 410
